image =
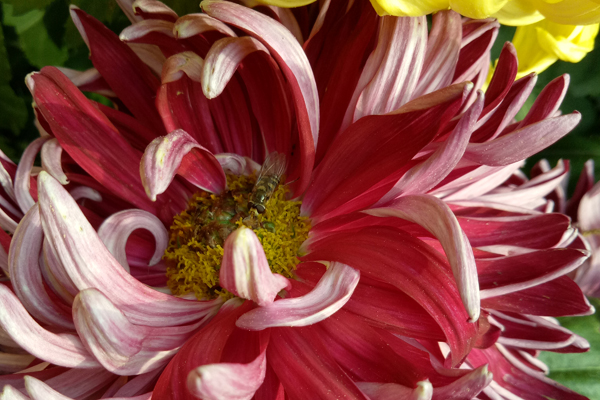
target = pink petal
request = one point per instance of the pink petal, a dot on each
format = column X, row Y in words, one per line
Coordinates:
column 304, row 366
column 187, row 62
column 405, row 41
column 90, row 265
column 245, row 271
column 205, row 347
column 443, row 46
column 153, row 9
column 88, row 81
column 547, row 102
column 26, row 277
column 88, row 136
column 237, row 165
column 228, row 381
column 295, row 66
column 393, row 391
column 223, row 59
column 126, row 74
column 179, row 153
column 435, row 216
column 331, row 293
column 424, row 176
column 355, row 162
column 64, row 349
column 523, row 142
column 11, row 363
column 195, row 24
column 466, row 387
column 478, row 38
column 10, row 393
column 557, row 298
column 115, row 231
column 395, row 257
column 56, row 276
column 51, row 163
column 22, row 177
column 118, row 345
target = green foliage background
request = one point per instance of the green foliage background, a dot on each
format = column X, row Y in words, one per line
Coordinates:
column 36, row 33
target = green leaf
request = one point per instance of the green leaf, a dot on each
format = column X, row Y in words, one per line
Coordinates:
column 580, row 372
column 14, row 110
column 24, row 6
column 39, row 49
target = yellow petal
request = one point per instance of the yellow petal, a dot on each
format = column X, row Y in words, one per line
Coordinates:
column 569, row 12
column 567, row 42
column 532, row 57
column 517, row 13
column 477, row 9
column 408, row 8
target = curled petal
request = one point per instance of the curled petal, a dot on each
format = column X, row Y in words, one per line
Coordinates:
column 115, row 231
column 153, row 9
column 222, row 61
column 245, row 270
column 331, row 293
column 65, row 349
column 90, row 265
column 237, row 165
column 117, row 344
column 284, row 47
column 51, row 152
column 195, row 24
column 228, row 381
column 437, row 218
column 22, row 181
column 394, row 391
column 25, row 274
column 84, row 192
column 187, row 62
column 179, row 153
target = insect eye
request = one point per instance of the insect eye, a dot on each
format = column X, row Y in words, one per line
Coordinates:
column 260, row 208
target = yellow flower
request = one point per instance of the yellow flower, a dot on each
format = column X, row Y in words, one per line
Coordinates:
column 541, row 44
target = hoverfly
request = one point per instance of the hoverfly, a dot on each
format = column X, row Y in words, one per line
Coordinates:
column 266, row 183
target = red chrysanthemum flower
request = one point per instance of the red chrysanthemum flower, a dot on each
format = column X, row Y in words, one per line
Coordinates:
column 404, row 255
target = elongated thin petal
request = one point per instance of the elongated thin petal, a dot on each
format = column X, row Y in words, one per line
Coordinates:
column 51, row 152
column 195, row 24
column 22, row 176
column 115, row 231
column 305, row 367
column 356, row 162
column 245, row 271
column 393, row 391
column 89, row 264
column 429, row 173
column 228, row 381
column 64, row 349
column 117, row 344
column 437, row 218
column 88, row 136
column 295, row 66
column 397, row 258
column 331, row 293
column 523, row 142
column 25, row 274
column 125, row 73
column 466, row 387
column 179, row 153
column 10, row 393
column 223, row 59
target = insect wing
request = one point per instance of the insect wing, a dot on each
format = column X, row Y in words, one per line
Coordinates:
column 274, row 166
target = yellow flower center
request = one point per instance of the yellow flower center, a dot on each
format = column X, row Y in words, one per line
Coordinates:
column 197, row 235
